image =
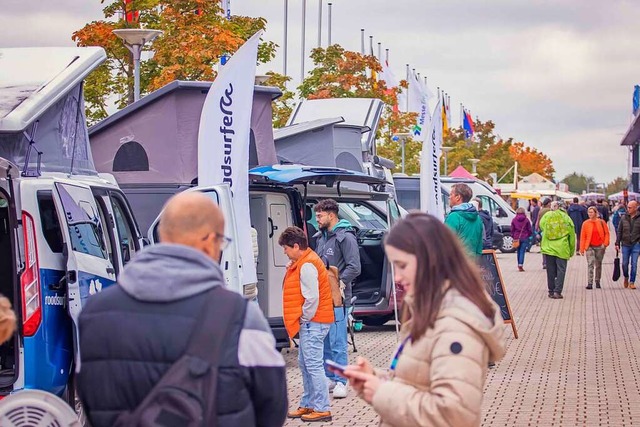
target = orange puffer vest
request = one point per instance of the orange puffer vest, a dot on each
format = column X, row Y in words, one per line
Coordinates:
column 292, row 299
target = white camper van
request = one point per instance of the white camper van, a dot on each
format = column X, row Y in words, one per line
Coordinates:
column 65, row 230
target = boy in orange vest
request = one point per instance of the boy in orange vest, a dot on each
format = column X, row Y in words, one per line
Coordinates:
column 307, row 310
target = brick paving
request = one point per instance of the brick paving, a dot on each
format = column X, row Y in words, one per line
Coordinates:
column 576, row 362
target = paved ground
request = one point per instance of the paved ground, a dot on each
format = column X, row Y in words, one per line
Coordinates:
column 576, row 361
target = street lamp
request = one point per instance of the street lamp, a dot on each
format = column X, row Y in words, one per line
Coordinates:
column 446, row 151
column 134, row 39
column 402, row 137
column 474, row 163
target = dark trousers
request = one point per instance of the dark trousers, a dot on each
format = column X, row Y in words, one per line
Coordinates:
column 556, row 269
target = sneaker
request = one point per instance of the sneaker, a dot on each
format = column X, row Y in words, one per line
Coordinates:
column 331, row 384
column 520, row 268
column 314, row 416
column 632, row 285
column 299, row 413
column 626, row 282
column 557, row 296
column 590, row 286
column 550, row 294
column 597, row 285
column 340, row 391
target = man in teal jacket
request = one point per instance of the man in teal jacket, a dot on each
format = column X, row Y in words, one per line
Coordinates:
column 558, row 245
column 464, row 219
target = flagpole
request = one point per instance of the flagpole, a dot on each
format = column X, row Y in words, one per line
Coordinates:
column 380, row 52
column 284, row 46
column 329, row 22
column 320, row 23
column 371, row 45
column 302, row 49
column 362, row 41
column 407, row 87
column 386, row 58
column 461, row 116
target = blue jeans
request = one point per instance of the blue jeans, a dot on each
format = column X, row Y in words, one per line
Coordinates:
column 630, row 252
column 315, row 393
column 522, row 249
column 335, row 345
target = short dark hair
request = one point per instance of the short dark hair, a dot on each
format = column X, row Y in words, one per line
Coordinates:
column 600, row 200
column 292, row 235
column 575, row 200
column 546, row 202
column 327, row 205
column 534, row 200
column 479, row 201
column 464, row 191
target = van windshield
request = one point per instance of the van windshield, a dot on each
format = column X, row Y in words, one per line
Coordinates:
column 362, row 216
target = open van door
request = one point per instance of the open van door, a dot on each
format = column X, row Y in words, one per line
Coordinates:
column 89, row 269
column 230, row 262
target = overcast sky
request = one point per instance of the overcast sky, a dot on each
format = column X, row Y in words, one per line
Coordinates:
column 556, row 74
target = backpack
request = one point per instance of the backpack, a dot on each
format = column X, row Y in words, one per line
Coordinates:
column 186, row 395
column 337, row 287
column 555, row 227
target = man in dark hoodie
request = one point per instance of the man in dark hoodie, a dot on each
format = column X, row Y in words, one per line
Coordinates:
column 336, row 244
column 578, row 215
column 132, row 332
column 487, row 222
column 464, row 219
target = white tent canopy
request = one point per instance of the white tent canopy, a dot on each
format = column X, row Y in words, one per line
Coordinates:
column 619, row 196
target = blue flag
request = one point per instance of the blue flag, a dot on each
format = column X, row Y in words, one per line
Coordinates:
column 636, row 99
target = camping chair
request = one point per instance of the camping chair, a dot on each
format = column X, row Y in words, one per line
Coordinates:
column 351, row 339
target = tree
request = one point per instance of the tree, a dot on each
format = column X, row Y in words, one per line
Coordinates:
column 578, row 182
column 195, row 36
column 617, row 185
column 283, row 106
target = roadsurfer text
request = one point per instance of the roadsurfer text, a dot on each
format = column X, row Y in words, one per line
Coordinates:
column 227, row 131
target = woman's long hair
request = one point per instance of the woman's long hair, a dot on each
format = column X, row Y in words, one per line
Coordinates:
column 441, row 261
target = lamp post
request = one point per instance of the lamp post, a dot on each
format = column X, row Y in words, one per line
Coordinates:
column 474, row 163
column 446, row 151
column 402, row 137
column 134, row 39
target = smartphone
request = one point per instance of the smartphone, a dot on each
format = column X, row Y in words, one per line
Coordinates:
column 333, row 366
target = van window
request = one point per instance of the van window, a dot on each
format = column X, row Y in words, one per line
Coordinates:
column 488, row 204
column 49, row 221
column 86, row 238
column 126, row 235
column 362, row 216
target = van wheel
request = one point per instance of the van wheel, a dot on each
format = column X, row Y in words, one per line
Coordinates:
column 71, row 397
column 507, row 244
column 377, row 320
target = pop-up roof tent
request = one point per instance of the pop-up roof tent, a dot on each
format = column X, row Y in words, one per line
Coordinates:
column 155, row 140
column 42, row 108
column 323, row 142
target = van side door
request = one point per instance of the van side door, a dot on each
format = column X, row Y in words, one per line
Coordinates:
column 89, row 269
column 230, row 261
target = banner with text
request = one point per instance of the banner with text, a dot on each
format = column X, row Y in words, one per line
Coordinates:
column 430, row 189
column 223, row 141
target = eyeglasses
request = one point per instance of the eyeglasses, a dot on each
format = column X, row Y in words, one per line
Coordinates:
column 225, row 241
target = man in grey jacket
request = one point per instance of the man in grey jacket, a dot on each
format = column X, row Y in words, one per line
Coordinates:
column 131, row 333
column 337, row 245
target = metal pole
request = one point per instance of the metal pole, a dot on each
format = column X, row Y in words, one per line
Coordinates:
column 446, row 165
column 362, row 41
column 286, row 27
column 404, row 140
column 380, row 52
column 320, row 23
column 386, row 58
column 329, row 19
column 371, row 45
column 408, row 91
column 304, row 18
column 136, row 71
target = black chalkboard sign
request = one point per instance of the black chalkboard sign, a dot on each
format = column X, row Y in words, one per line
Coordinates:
column 492, row 277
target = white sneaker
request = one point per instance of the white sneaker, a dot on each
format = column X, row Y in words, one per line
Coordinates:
column 340, row 391
column 331, row 384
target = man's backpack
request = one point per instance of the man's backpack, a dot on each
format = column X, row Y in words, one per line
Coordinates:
column 337, row 287
column 186, row 395
column 556, row 227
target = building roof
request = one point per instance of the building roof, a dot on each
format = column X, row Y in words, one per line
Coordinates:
column 164, row 91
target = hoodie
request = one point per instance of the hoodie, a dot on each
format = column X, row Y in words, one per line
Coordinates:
column 467, row 224
column 439, row 379
column 578, row 215
column 487, row 222
column 521, row 227
column 339, row 247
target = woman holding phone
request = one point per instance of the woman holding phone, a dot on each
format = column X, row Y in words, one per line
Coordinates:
column 451, row 330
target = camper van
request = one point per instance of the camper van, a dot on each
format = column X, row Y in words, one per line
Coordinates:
column 65, row 230
column 408, row 193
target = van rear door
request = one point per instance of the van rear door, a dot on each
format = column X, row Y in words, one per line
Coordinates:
column 89, row 269
column 230, row 262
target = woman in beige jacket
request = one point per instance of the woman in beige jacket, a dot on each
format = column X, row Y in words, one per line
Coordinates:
column 451, row 330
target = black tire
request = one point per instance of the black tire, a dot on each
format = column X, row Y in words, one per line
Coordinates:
column 377, row 320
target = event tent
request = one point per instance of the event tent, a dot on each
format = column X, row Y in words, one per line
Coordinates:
column 619, row 196
column 461, row 172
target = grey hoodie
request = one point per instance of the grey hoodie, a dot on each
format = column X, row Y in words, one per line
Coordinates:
column 169, row 272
